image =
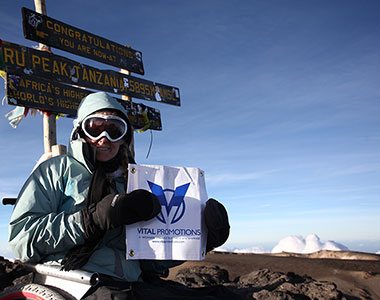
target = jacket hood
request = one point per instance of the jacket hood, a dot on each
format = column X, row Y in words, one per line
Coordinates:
column 90, row 104
column 95, row 102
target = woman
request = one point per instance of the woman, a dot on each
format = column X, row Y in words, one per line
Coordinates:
column 72, row 207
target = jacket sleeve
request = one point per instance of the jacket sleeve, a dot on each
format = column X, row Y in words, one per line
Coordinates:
column 45, row 220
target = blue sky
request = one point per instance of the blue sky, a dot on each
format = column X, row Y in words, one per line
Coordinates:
column 280, row 108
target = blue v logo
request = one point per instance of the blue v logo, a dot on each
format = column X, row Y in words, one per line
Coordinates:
column 172, row 200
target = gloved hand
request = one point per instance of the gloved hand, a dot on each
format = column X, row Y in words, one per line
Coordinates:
column 216, row 219
column 120, row 209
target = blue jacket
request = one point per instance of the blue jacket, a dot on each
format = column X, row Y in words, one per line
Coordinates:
column 47, row 222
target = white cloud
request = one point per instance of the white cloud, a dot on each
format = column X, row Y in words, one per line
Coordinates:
column 310, row 244
column 292, row 244
column 253, row 249
column 237, row 177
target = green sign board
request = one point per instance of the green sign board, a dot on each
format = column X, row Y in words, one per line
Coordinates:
column 36, row 92
column 51, row 32
column 19, row 59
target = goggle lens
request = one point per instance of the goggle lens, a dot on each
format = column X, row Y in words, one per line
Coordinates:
column 113, row 127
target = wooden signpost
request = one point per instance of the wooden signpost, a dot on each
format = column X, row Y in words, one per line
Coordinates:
column 49, row 120
column 49, row 82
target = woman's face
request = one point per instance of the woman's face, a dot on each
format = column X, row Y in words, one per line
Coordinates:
column 105, row 149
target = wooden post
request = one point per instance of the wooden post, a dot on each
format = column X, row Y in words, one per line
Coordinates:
column 49, row 122
column 127, row 98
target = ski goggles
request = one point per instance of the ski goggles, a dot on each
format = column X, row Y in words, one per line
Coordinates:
column 112, row 127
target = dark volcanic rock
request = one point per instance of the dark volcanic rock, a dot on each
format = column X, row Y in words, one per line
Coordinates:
column 263, row 279
column 12, row 273
column 261, row 284
column 200, row 276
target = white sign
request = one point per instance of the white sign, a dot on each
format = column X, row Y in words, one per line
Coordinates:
column 177, row 233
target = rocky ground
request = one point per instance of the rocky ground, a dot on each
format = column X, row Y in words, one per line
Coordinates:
column 324, row 275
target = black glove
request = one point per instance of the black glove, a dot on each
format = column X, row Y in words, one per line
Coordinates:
column 120, row 209
column 216, row 219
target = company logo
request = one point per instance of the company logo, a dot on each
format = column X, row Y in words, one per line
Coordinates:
column 172, row 202
column 34, row 20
